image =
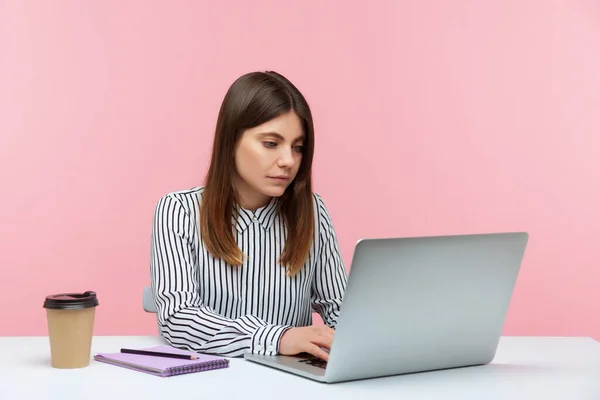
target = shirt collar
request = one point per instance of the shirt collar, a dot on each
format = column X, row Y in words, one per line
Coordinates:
column 265, row 216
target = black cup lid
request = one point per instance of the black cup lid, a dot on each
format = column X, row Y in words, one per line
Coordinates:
column 71, row 301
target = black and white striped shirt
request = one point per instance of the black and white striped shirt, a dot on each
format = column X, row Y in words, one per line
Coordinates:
column 209, row 306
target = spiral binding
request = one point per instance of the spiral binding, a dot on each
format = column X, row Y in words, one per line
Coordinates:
column 205, row 366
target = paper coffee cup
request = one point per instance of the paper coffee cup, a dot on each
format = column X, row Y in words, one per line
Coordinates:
column 70, row 319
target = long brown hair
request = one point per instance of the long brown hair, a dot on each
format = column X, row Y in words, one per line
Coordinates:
column 254, row 99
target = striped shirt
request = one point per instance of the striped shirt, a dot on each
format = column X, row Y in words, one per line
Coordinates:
column 209, row 306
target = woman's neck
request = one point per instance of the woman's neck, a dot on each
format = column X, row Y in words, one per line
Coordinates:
column 252, row 201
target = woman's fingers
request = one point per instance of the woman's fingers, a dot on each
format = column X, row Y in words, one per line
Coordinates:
column 318, row 341
column 316, row 351
column 322, row 341
column 326, row 331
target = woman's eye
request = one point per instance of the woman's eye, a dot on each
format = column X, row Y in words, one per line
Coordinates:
column 299, row 149
column 269, row 144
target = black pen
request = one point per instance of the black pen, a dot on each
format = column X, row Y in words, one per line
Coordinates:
column 159, row 354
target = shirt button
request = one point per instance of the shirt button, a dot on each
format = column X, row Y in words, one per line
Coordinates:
column 254, row 217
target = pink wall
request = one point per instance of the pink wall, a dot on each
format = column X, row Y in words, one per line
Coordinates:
column 433, row 117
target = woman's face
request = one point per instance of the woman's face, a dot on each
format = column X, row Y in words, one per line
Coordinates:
column 267, row 159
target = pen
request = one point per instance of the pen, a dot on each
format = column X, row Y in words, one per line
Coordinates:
column 159, row 354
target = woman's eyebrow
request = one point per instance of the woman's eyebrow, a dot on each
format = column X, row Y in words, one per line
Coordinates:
column 280, row 136
column 274, row 134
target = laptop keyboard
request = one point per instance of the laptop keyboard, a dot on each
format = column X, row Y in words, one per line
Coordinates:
column 314, row 361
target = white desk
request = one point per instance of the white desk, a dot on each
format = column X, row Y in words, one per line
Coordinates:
column 524, row 368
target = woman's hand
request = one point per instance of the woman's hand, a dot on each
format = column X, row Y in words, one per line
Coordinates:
column 307, row 339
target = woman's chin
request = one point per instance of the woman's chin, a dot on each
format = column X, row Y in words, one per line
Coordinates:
column 274, row 191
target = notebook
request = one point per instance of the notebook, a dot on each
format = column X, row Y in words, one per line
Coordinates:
column 163, row 366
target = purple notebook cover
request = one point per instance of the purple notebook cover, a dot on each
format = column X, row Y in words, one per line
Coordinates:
column 163, row 366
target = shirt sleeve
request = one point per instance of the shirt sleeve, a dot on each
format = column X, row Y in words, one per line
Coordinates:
column 330, row 279
column 184, row 321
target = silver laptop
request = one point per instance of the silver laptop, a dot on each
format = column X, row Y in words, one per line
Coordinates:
column 418, row 304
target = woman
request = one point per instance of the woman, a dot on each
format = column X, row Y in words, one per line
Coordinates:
column 239, row 264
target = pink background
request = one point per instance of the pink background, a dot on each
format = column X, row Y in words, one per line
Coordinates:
column 432, row 117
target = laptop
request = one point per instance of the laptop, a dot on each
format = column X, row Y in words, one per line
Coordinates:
column 417, row 304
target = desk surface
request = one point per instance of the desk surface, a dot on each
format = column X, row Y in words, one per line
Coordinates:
column 524, row 368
